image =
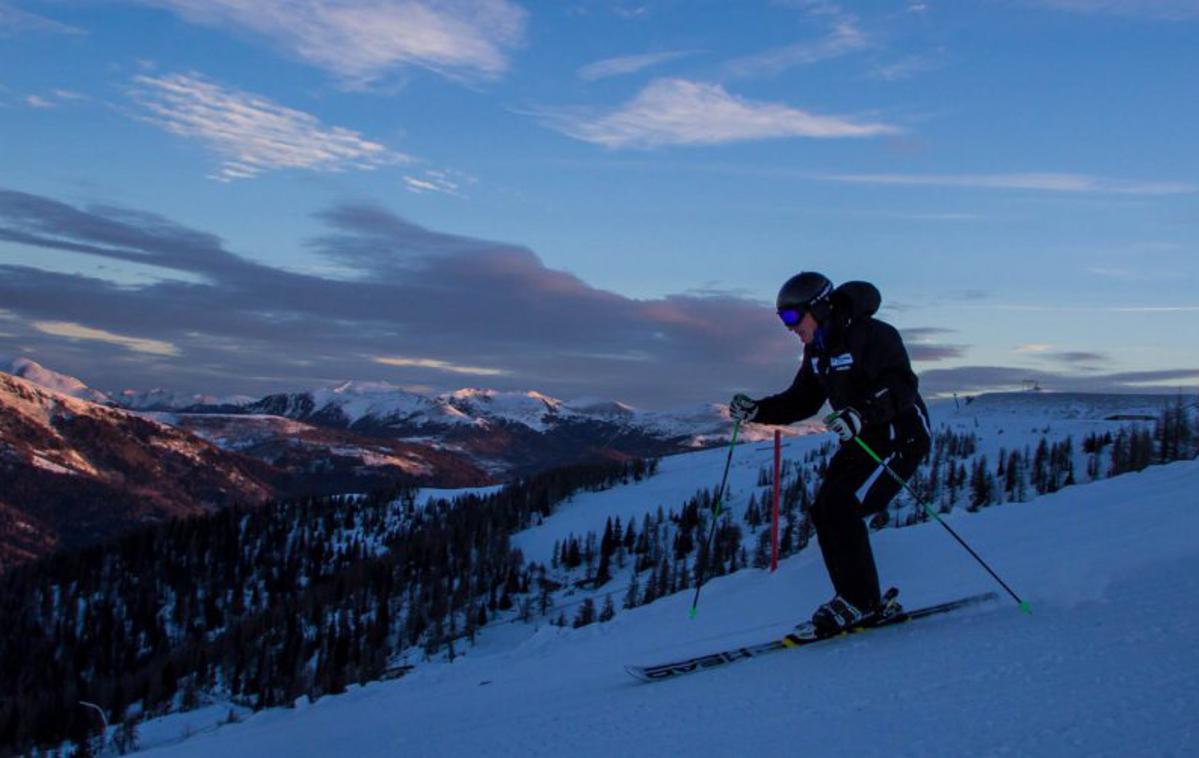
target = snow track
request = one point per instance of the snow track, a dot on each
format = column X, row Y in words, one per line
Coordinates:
column 1106, row 664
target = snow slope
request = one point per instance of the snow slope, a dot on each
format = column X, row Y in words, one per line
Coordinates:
column 1105, row 665
column 33, row 371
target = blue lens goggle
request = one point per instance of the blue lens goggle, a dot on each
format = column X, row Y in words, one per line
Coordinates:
column 791, row 316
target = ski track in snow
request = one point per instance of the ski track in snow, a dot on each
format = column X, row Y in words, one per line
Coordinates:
column 1106, row 665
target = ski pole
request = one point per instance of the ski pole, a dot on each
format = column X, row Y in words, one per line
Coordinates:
column 699, row 580
column 1023, row 605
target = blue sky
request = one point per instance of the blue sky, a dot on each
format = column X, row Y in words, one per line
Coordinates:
column 595, row 198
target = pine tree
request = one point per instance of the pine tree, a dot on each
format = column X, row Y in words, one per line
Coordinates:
column 603, row 573
column 632, row 594
column 608, row 611
column 762, row 550
column 586, row 614
column 982, row 485
column 1040, row 473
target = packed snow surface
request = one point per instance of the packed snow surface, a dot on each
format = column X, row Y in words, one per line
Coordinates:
column 1105, row 664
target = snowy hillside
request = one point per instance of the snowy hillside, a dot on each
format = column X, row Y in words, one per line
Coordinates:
column 31, row 371
column 74, row 472
column 164, row 400
column 1103, row 666
column 383, row 406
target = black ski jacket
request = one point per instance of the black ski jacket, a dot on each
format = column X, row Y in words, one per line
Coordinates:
column 856, row 361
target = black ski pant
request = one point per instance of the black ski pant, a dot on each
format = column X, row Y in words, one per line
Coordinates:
column 854, row 487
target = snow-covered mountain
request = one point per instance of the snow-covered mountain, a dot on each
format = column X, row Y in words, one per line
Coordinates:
column 32, row 371
column 1104, row 665
column 74, row 471
column 159, row 399
column 513, row 433
column 382, row 406
column 507, row 433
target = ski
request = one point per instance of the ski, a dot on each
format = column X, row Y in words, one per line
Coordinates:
column 663, row 671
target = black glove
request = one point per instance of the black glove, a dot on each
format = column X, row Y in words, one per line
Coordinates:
column 845, row 422
column 743, row 408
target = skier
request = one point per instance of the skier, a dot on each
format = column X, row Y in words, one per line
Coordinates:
column 860, row 366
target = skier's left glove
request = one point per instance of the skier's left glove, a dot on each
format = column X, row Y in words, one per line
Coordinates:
column 743, row 408
column 845, row 422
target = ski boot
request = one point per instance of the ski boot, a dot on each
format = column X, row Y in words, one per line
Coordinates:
column 830, row 619
column 839, row 615
column 888, row 607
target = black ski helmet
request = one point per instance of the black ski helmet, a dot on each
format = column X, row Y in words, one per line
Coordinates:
column 807, row 291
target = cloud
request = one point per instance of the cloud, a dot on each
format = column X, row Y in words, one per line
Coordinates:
column 926, row 332
column 1053, row 354
column 1135, row 275
column 922, row 345
column 904, row 68
column 440, row 366
column 1034, row 308
column 844, row 38
column 928, row 353
column 53, row 99
column 1046, row 182
column 363, row 40
column 251, row 133
column 1079, row 356
column 1165, row 10
column 975, row 379
column 682, row 112
column 80, row 332
column 446, row 182
column 628, row 64
column 425, row 307
column 14, row 19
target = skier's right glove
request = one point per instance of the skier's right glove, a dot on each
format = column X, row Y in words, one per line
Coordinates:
column 743, row 408
column 846, row 423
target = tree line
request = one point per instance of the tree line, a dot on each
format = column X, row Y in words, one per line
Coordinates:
column 263, row 605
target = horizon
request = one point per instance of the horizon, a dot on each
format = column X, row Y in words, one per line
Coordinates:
column 6, row 364
column 595, row 199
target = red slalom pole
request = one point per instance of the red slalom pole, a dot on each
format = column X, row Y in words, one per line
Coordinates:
column 774, row 520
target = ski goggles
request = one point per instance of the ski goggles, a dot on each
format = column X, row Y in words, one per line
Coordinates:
column 791, row 316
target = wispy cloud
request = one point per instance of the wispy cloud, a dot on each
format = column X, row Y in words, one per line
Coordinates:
column 75, row 331
column 445, row 182
column 1078, row 357
column 428, row 301
column 1047, row 182
column 845, row 38
column 1052, row 353
column 904, row 68
column 628, row 64
column 1046, row 308
column 922, row 344
column 363, row 40
column 1003, row 378
column 1135, row 275
column 437, row 365
column 1166, row 10
column 251, row 133
column 53, row 99
column 683, row 112
column 13, row 19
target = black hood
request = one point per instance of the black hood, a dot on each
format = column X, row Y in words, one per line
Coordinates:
column 854, row 300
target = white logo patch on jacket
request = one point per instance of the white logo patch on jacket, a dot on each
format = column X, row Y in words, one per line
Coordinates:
column 841, row 362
